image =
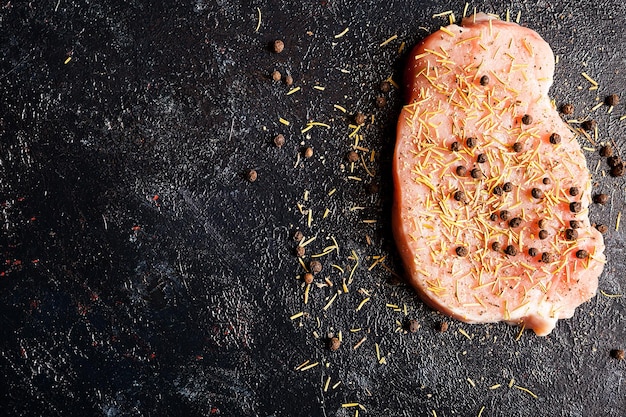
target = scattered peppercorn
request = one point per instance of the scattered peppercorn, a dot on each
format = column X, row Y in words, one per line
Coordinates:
column 359, row 118
column 276, row 76
column 461, row 251
column 527, row 119
column 481, row 158
column 504, row 215
column 511, row 250
column 567, row 109
column 315, row 267
column 600, row 198
column 574, row 191
column 308, row 278
column 298, row 236
column 496, row 246
column 546, row 257
column 385, row 86
column 582, row 254
column 571, row 234
column 493, row 217
column 484, row 80
column 413, row 326
column 278, row 46
column 497, row 190
column 381, row 102
column 606, row 151
column 443, row 327
column 617, row 170
column 471, row 142
column 300, row 251
column 455, row 146
column 618, row 354
column 614, row 160
column 546, row 181
column 515, row 222
column 334, row 343
column 555, row 138
column 602, row 228
column 251, row 175
column 612, row 100
column 352, row 156
column 575, row 207
column 533, row 252
column 372, row 188
column 461, row 171
column 459, row 196
column 536, row 193
column 517, row 147
column 279, row 140
column 476, row 173
column 543, row 234
column 542, row 223
column 507, row 187
column 574, row 224
column 588, row 125
column 308, row 152
column 289, row 80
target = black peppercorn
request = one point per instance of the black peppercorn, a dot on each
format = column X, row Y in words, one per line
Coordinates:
column 618, row 354
column 546, row 181
column 517, row 147
column 546, row 257
column 461, row 171
column 612, row 100
column 533, row 252
column 496, row 246
column 476, row 173
column 278, row 46
column 588, row 125
column 574, row 224
column 459, row 196
column 279, row 141
column 504, row 215
column 527, row 119
column 455, row 146
column 352, row 156
column 543, row 234
column 484, row 80
column 542, row 223
column 443, row 327
column 276, row 76
column 334, row 343
column 507, row 187
column 308, row 152
column 571, row 234
column 600, row 198
column 461, row 251
column 536, row 193
column 308, row 278
column 471, row 142
column 381, row 102
column 497, row 190
column 481, row 158
column 567, row 109
column 251, row 175
column 602, row 228
column 359, row 118
column 614, row 160
column 385, row 86
column 555, row 138
column 575, row 206
column 606, row 151
column 493, row 217
column 574, row 191
column 617, row 170
column 289, row 79
column 298, row 236
column 300, row 251
column 413, row 326
column 515, row 222
column 582, row 254
column 511, row 250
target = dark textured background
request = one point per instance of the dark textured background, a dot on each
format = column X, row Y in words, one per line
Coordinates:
column 115, row 303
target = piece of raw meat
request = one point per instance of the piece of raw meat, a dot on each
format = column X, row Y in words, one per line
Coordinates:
column 491, row 187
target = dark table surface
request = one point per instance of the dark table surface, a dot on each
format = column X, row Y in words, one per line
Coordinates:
column 143, row 274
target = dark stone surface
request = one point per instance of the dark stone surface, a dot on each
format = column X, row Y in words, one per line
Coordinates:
column 115, row 302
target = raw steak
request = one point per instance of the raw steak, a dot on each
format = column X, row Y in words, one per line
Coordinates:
column 492, row 188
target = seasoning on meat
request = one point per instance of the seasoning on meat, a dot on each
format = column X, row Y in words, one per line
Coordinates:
column 523, row 279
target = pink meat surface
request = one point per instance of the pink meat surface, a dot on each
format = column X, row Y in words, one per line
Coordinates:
column 506, row 237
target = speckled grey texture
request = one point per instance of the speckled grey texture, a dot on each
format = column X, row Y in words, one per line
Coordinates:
column 115, row 302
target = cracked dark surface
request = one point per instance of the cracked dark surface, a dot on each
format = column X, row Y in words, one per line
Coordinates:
column 116, row 302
